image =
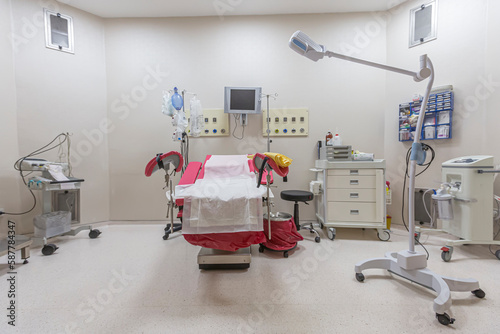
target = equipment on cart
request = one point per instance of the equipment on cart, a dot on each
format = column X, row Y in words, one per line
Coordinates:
column 465, row 203
column 60, row 202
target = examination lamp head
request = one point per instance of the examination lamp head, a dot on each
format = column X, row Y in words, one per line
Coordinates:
column 305, row 46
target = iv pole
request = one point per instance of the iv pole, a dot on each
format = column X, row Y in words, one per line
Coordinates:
column 268, row 177
column 268, row 119
column 408, row 264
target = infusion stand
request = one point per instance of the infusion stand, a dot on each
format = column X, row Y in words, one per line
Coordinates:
column 407, row 263
column 268, row 131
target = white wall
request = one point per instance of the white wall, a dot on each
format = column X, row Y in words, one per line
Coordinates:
column 9, row 181
column 462, row 56
column 203, row 55
column 60, row 92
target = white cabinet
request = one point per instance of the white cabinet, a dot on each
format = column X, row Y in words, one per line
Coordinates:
column 350, row 194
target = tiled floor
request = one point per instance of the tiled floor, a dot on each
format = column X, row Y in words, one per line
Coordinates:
column 129, row 280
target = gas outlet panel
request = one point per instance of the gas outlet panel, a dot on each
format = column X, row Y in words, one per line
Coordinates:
column 216, row 123
column 286, row 122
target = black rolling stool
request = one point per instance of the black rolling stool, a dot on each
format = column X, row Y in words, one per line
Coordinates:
column 300, row 196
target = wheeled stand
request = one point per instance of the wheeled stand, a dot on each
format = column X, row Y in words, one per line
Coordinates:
column 425, row 277
column 49, row 249
column 168, row 229
column 447, row 250
column 285, row 251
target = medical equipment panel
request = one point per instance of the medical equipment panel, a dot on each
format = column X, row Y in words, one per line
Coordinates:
column 216, row 123
column 351, row 194
column 437, row 118
column 473, row 197
column 287, row 122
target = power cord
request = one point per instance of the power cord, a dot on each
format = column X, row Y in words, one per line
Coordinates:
column 236, row 119
column 18, row 167
column 425, row 147
column 498, row 222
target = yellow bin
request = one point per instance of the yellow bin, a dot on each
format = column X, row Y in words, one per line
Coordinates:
column 388, row 219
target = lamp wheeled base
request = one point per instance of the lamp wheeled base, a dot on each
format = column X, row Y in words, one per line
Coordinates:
column 440, row 284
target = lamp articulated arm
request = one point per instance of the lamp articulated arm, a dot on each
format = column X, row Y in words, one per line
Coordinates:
column 305, row 46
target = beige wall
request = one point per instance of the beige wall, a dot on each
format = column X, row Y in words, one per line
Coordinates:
column 9, row 181
column 121, row 66
column 462, row 56
column 203, row 55
column 60, row 92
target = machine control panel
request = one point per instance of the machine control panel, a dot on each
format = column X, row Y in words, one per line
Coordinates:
column 473, row 161
column 464, row 161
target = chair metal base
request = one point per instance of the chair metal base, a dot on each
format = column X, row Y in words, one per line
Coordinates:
column 310, row 228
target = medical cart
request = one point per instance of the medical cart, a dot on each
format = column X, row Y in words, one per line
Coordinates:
column 350, row 194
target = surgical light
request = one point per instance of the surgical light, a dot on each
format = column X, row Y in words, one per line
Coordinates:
column 408, row 264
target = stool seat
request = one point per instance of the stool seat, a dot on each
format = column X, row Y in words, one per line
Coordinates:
column 300, row 196
column 297, row 195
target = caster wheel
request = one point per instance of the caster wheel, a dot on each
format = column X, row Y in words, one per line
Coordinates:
column 331, row 233
column 94, row 233
column 497, row 254
column 384, row 236
column 261, row 249
column 49, row 249
column 446, row 256
column 479, row 293
column 317, row 239
column 285, row 254
column 165, row 237
column 25, row 262
column 444, row 319
column 360, row 277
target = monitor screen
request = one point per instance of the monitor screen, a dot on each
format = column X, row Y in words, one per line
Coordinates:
column 242, row 100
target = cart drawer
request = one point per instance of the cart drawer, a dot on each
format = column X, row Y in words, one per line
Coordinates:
column 351, row 182
column 355, row 212
column 351, row 195
column 352, row 171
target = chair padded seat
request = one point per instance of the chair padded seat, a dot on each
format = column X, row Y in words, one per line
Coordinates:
column 297, row 195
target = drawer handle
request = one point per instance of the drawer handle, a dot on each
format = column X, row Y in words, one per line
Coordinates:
column 354, row 182
column 354, row 172
column 354, row 212
column 354, row 195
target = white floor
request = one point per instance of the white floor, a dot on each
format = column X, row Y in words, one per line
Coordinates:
column 129, row 280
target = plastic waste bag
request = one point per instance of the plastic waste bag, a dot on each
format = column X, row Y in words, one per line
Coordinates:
column 179, row 121
column 167, row 108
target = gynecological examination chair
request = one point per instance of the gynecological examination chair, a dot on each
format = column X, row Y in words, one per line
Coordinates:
column 221, row 206
column 221, row 210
